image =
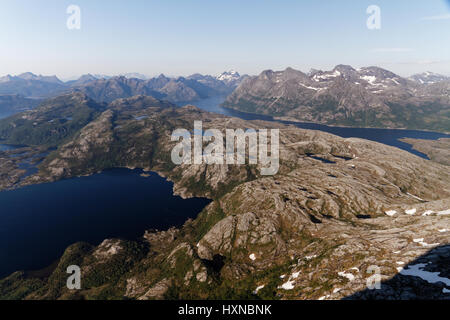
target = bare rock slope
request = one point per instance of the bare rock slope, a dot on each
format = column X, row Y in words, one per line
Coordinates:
column 336, row 209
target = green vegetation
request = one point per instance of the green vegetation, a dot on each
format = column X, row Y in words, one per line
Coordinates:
column 54, row 122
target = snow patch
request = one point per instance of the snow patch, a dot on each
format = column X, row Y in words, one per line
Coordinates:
column 289, row 285
column 370, row 79
column 391, row 213
column 308, row 87
column 258, row 288
column 337, row 290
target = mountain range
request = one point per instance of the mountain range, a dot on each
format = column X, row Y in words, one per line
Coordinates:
column 107, row 89
column 364, row 97
column 344, row 96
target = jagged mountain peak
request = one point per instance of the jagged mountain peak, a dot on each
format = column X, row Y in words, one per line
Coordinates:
column 229, row 76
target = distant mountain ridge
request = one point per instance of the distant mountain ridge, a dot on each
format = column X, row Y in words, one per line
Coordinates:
column 31, row 85
column 364, row 97
column 107, row 89
column 428, row 78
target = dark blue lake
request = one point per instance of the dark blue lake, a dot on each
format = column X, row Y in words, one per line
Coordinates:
column 38, row 222
column 386, row 136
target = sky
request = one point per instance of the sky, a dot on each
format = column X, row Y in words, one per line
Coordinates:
column 181, row 37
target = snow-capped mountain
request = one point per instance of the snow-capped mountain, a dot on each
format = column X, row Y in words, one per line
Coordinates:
column 369, row 96
column 229, row 77
column 135, row 75
column 429, row 78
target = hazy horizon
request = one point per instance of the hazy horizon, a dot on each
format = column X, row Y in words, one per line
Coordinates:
column 180, row 38
column 127, row 74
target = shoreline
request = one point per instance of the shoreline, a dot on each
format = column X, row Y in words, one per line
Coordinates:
column 293, row 120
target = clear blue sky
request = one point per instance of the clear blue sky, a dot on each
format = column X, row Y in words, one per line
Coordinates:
column 180, row 37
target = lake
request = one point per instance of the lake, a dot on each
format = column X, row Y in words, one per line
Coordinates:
column 386, row 136
column 38, row 222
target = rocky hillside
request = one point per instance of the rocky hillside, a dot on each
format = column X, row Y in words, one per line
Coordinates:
column 336, row 207
column 366, row 97
column 54, row 121
column 436, row 150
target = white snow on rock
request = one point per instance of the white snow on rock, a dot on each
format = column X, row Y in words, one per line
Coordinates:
column 391, row 213
column 308, row 87
column 289, row 285
column 430, row 277
column 411, row 212
column 326, row 76
column 282, row 276
column 336, row 290
column 311, row 257
column 369, row 79
column 444, row 213
column 424, row 244
column 428, row 213
column 324, row 297
column 400, row 263
column 443, row 230
column 228, row 76
column 257, row 289
column 252, row 257
column 349, row 276
column 295, row 275
column 445, row 290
